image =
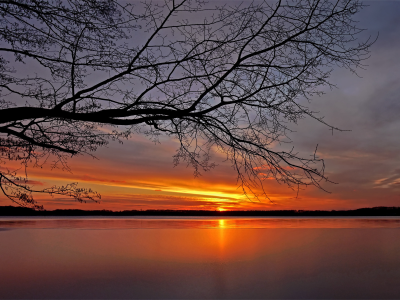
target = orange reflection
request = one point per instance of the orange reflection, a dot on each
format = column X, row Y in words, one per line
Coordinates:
column 221, row 263
column 221, row 223
column 197, row 223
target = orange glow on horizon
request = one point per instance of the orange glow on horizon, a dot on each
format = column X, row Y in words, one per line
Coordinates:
column 151, row 182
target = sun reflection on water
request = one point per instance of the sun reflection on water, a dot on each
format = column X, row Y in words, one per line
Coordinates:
column 221, row 224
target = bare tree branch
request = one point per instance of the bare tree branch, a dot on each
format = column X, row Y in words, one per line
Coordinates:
column 229, row 78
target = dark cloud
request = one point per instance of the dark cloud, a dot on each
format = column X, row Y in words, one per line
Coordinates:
column 364, row 160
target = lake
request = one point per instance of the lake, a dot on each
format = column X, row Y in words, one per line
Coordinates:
column 199, row 258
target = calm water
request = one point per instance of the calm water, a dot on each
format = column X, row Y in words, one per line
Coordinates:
column 211, row 258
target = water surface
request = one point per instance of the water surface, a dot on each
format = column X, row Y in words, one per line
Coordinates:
column 199, row 258
column 196, row 222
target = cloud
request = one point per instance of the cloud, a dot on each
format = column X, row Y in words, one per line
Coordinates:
column 29, row 182
column 94, row 179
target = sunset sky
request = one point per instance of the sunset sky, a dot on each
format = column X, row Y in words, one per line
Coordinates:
column 363, row 163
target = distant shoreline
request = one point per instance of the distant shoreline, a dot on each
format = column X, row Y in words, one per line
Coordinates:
column 12, row 211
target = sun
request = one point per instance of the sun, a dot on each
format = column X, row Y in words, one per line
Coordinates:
column 221, row 209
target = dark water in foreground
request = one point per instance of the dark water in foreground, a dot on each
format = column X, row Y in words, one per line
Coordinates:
column 197, row 258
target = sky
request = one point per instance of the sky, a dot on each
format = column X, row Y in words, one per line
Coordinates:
column 362, row 163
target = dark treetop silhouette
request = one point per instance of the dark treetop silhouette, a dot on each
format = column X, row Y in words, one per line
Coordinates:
column 75, row 74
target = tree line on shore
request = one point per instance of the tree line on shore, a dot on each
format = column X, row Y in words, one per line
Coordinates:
column 373, row 211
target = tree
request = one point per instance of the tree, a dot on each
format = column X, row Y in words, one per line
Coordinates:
column 75, row 74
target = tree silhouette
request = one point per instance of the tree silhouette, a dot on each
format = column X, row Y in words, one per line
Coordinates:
column 75, row 74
